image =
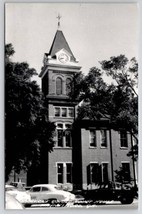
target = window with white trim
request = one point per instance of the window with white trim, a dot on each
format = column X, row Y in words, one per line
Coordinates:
column 64, row 172
column 57, row 112
column 64, row 112
column 95, row 173
column 123, row 139
column 60, row 172
column 98, row 173
column 59, row 85
column 103, row 138
column 93, row 142
column 104, row 167
column 68, row 86
column 126, row 171
column 64, row 138
column 60, row 135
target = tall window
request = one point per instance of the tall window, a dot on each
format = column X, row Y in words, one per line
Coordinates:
column 103, row 135
column 93, row 138
column 123, row 139
column 95, row 173
column 126, row 171
column 60, row 135
column 58, row 86
column 69, row 173
column 105, row 172
column 60, row 172
column 64, row 173
column 68, row 135
column 64, row 135
column 68, row 86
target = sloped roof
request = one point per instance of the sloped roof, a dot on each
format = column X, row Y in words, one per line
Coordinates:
column 59, row 43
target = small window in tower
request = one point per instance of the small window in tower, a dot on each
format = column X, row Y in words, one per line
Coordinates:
column 58, row 86
column 64, row 112
column 71, row 112
column 57, row 112
column 68, row 86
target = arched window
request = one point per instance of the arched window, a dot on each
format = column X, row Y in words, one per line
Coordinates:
column 68, row 86
column 58, row 86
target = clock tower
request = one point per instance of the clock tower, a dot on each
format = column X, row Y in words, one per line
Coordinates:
column 59, row 67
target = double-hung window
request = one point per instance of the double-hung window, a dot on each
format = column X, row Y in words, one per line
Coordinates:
column 126, row 171
column 64, row 173
column 94, row 173
column 64, row 112
column 123, row 139
column 60, row 135
column 60, row 171
column 103, row 138
column 64, row 138
column 93, row 142
column 104, row 172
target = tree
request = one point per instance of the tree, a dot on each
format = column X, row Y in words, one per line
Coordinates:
column 27, row 129
column 116, row 101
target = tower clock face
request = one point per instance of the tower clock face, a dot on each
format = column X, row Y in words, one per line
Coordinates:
column 63, row 58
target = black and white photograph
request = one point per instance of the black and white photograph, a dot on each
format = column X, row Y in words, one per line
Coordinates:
column 71, row 106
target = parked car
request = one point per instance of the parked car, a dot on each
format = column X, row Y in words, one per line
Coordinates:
column 108, row 193
column 21, row 196
column 18, row 184
column 50, row 192
column 12, row 203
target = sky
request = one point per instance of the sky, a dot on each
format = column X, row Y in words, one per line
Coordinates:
column 94, row 31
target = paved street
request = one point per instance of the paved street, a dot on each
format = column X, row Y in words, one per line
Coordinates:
column 108, row 204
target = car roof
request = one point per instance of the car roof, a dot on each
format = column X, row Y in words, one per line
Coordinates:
column 9, row 186
column 44, row 185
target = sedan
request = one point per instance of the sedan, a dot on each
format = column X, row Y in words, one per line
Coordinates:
column 12, row 203
column 21, row 196
column 50, row 192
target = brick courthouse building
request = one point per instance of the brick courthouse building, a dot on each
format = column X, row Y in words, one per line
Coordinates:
column 86, row 152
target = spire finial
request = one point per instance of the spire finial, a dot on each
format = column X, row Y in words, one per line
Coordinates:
column 59, row 17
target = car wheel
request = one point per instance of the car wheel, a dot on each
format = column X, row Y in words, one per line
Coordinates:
column 52, row 200
column 126, row 200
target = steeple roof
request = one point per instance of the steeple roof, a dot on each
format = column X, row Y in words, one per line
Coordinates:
column 59, row 43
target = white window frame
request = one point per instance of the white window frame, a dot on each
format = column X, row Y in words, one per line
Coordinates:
column 64, row 137
column 123, row 147
column 102, row 175
column 64, row 107
column 62, row 82
column 105, row 130
column 129, row 166
column 90, row 137
column 64, row 171
column 91, row 163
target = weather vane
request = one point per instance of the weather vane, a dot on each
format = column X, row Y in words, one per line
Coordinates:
column 58, row 17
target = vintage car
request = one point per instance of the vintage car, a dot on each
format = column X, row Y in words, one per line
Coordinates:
column 21, row 196
column 125, row 195
column 12, row 203
column 49, row 192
